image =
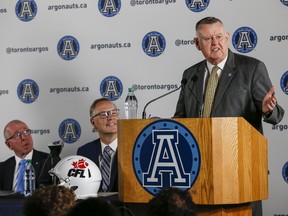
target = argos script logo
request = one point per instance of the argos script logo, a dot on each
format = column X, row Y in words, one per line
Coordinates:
column 166, row 154
column 244, row 39
column 109, row 8
column 111, row 88
column 79, row 168
column 26, row 10
column 28, row 91
column 69, row 130
column 197, row 5
column 68, row 48
column 153, row 44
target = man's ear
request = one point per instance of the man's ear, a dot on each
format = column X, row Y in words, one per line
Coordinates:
column 196, row 42
column 8, row 145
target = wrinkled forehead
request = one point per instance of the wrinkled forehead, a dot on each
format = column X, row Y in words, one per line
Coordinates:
column 210, row 29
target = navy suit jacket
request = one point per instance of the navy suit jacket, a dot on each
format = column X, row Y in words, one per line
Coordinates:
column 93, row 151
column 242, row 86
column 7, row 169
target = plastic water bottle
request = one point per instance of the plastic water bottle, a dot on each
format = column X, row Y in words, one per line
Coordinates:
column 29, row 178
column 131, row 105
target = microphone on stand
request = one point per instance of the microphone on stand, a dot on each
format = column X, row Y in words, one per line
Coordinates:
column 56, row 147
column 183, row 83
column 55, row 150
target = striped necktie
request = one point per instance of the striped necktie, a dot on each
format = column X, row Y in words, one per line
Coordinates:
column 210, row 92
column 20, row 176
column 105, row 168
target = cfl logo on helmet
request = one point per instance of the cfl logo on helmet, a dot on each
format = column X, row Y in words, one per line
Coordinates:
column 197, row 5
column 109, row 8
column 79, row 169
column 26, row 10
column 68, row 48
column 153, row 44
column 244, row 39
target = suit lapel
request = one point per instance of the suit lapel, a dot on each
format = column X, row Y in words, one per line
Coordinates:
column 225, row 79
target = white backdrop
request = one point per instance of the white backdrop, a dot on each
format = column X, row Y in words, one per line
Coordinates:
column 108, row 50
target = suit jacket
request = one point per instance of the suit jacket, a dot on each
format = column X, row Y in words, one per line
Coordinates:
column 242, row 86
column 7, row 169
column 93, row 151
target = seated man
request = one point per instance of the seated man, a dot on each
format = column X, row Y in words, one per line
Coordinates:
column 18, row 139
column 103, row 116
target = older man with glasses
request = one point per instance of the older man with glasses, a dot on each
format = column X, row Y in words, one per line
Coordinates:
column 103, row 151
column 18, row 139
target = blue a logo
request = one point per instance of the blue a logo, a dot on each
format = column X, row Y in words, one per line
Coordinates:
column 28, row 91
column 26, row 10
column 69, row 131
column 166, row 154
column 197, row 5
column 153, row 44
column 284, row 82
column 244, row 39
column 285, row 172
column 285, row 2
column 111, row 88
column 109, row 8
column 68, row 48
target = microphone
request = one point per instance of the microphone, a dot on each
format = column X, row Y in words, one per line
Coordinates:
column 56, row 147
column 183, row 83
column 194, row 79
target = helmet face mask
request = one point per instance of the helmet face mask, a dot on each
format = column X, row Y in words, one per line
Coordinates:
column 80, row 174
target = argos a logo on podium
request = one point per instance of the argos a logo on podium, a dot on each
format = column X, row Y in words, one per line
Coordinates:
column 166, row 154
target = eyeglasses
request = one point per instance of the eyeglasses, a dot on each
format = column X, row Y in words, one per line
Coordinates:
column 105, row 114
column 18, row 134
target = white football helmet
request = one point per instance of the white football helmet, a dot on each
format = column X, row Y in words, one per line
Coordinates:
column 78, row 173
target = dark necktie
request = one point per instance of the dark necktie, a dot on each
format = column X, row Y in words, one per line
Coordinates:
column 105, row 168
column 210, row 92
column 20, row 176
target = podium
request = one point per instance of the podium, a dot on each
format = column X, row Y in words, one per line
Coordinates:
column 233, row 171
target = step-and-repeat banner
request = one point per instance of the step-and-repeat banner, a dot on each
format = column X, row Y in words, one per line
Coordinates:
column 56, row 57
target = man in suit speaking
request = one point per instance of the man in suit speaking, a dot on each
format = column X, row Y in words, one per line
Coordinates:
column 103, row 151
column 18, row 139
column 239, row 86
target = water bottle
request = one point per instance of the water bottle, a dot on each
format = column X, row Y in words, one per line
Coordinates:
column 29, row 179
column 131, row 105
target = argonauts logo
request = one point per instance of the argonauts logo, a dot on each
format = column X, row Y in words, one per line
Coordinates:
column 111, row 88
column 285, row 172
column 68, row 48
column 109, row 8
column 69, row 130
column 285, row 2
column 244, row 39
column 28, row 91
column 26, row 10
column 153, row 44
column 284, row 82
column 166, row 154
column 197, row 5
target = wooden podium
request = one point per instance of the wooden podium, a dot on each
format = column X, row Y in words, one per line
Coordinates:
column 233, row 171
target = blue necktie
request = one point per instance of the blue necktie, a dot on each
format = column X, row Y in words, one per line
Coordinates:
column 20, row 176
column 105, row 168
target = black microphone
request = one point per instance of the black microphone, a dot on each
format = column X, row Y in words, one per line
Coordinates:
column 56, row 147
column 183, row 83
column 194, row 79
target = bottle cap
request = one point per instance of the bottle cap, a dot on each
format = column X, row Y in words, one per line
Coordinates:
column 130, row 89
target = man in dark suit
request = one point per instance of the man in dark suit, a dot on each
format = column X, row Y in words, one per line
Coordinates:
column 244, row 88
column 103, row 116
column 18, row 139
